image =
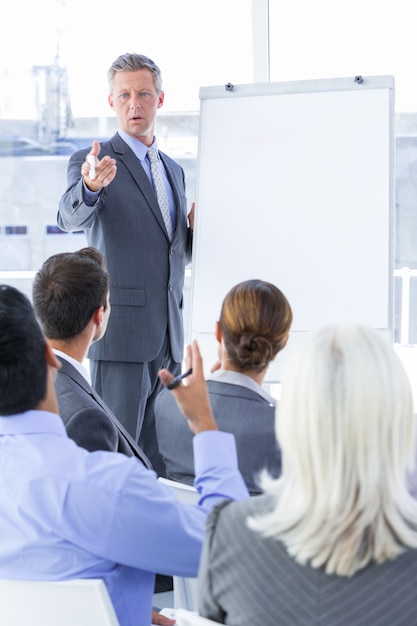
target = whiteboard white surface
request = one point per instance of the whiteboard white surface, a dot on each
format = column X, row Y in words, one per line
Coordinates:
column 295, row 186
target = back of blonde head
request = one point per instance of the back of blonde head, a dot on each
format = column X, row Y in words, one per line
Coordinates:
column 346, row 428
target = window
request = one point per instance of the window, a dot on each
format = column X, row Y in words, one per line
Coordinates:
column 54, row 91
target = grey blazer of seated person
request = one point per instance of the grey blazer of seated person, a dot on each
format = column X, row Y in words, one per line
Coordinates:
column 239, row 409
column 253, row 327
column 88, row 420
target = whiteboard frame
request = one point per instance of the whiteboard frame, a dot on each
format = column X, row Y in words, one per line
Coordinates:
column 351, row 84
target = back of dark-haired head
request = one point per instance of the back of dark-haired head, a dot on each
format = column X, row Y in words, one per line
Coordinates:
column 67, row 290
column 255, row 320
column 132, row 61
column 23, row 369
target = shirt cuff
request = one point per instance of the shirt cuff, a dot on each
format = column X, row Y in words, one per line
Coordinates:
column 89, row 197
column 214, row 448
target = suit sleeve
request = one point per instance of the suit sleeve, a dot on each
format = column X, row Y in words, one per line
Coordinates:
column 208, row 605
column 73, row 213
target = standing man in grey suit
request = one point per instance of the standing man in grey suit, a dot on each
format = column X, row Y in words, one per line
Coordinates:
column 111, row 195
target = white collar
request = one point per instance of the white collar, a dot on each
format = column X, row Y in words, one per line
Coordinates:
column 78, row 366
column 237, row 378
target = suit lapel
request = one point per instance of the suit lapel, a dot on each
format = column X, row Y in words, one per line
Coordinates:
column 70, row 371
column 134, row 166
column 122, row 430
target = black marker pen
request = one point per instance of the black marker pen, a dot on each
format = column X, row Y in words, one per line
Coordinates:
column 177, row 380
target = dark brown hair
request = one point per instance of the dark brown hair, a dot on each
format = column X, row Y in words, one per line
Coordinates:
column 23, row 369
column 67, row 290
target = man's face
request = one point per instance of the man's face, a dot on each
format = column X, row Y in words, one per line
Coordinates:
column 135, row 101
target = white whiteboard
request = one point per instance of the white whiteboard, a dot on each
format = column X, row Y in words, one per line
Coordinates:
column 295, row 186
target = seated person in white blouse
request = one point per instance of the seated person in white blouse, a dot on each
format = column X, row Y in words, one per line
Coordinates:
column 254, row 323
column 333, row 541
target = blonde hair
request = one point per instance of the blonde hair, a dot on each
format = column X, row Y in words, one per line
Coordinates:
column 346, row 427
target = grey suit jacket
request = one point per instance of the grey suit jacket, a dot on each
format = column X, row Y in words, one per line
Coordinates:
column 88, row 420
column 237, row 410
column 249, row 579
column 146, row 269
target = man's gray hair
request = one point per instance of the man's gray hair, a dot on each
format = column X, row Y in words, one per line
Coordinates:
column 130, row 62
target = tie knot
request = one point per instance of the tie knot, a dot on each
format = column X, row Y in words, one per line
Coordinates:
column 152, row 155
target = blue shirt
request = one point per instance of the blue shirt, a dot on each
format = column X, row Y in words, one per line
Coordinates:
column 69, row 513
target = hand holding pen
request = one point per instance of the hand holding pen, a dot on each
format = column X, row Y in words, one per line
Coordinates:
column 178, row 379
column 192, row 397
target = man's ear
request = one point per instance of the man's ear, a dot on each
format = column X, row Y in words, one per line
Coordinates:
column 161, row 98
column 98, row 316
column 50, row 357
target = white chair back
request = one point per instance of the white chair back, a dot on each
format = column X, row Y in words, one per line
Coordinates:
column 185, row 493
column 185, row 589
column 191, row 618
column 78, row 602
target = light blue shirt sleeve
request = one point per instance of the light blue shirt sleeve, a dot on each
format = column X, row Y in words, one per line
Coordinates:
column 215, row 482
column 147, row 524
column 70, row 513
